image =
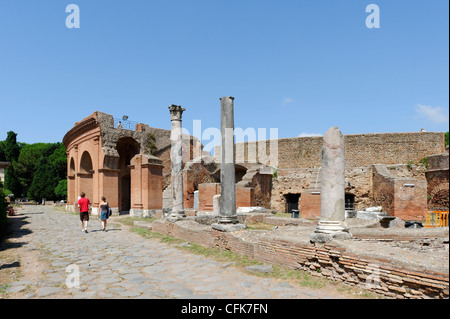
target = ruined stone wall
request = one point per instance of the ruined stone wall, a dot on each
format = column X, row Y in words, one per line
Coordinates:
column 305, row 180
column 437, row 178
column 404, row 198
column 361, row 150
column 328, row 260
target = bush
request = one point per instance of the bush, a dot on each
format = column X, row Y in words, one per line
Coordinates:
column 3, row 205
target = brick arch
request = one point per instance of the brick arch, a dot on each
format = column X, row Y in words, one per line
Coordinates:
column 86, row 163
column 85, row 174
column 72, row 169
column 439, row 196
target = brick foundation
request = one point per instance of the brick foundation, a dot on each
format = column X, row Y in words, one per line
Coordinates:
column 329, row 261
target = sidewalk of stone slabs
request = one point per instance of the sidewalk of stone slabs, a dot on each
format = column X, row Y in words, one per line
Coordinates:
column 121, row 264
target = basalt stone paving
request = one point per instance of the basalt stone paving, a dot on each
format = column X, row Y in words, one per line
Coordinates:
column 120, row 264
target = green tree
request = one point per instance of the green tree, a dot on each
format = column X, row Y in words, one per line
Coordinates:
column 44, row 182
column 61, row 189
column 58, row 160
column 2, row 151
column 12, row 181
column 26, row 165
column 12, row 148
column 446, row 138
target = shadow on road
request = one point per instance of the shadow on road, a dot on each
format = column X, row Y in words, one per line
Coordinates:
column 13, row 230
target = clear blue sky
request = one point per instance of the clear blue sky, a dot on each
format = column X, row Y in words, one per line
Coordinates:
column 301, row 66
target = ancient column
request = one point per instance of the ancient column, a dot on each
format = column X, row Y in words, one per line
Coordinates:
column 227, row 214
column 176, row 156
column 332, row 188
column 227, row 169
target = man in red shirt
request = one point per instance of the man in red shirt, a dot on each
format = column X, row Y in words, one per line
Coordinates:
column 84, row 205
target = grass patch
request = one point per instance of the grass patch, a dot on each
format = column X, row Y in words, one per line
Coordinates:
column 3, row 288
column 259, row 226
column 296, row 277
column 129, row 221
column 236, row 260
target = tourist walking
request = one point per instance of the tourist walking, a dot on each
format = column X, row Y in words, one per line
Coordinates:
column 104, row 212
column 84, row 204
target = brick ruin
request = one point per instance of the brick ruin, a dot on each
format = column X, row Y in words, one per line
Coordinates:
column 404, row 173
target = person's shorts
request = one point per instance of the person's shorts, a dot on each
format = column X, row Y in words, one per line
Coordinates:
column 84, row 216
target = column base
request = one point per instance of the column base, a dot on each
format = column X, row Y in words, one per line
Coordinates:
column 175, row 216
column 330, row 227
column 228, row 219
column 328, row 230
column 228, row 227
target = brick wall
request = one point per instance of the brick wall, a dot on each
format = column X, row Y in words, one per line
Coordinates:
column 244, row 196
column 327, row 260
column 404, row 198
column 361, row 150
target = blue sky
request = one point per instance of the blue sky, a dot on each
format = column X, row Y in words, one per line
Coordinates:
column 300, row 66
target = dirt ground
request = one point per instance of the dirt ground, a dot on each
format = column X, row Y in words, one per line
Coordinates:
column 18, row 261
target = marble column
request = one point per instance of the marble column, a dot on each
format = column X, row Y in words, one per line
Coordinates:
column 176, row 156
column 228, row 220
column 227, row 168
column 332, row 187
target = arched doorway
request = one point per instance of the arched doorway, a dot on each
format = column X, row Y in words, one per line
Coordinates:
column 127, row 148
column 86, row 175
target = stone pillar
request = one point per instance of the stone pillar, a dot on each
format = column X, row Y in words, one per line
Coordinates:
column 176, row 156
column 332, row 189
column 227, row 169
column 227, row 216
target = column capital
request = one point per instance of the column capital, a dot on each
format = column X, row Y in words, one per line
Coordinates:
column 176, row 112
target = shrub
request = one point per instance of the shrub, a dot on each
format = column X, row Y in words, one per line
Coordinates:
column 3, row 205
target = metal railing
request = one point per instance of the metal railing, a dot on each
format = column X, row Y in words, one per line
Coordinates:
column 436, row 219
column 126, row 125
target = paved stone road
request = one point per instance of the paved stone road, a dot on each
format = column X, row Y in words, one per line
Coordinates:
column 121, row 264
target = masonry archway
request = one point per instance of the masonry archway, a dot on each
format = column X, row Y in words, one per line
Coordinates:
column 439, row 197
column 86, row 175
column 127, row 148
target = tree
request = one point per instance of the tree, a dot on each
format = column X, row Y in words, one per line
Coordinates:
column 26, row 165
column 12, row 181
column 61, row 189
column 12, row 148
column 2, row 151
column 45, row 178
column 58, row 160
column 446, row 138
column 11, row 151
